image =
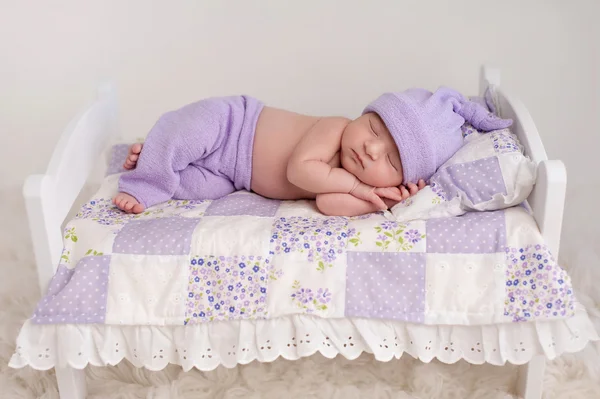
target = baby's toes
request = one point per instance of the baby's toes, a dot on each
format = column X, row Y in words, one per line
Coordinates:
column 136, row 148
column 128, row 205
column 122, row 202
column 132, row 159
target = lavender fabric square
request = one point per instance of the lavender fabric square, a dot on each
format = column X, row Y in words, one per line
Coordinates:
column 480, row 180
column 243, row 205
column 473, row 232
column 117, row 158
column 161, row 236
column 386, row 285
column 77, row 295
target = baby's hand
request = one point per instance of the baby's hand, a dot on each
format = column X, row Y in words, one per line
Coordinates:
column 392, row 193
column 367, row 193
column 411, row 189
column 400, row 193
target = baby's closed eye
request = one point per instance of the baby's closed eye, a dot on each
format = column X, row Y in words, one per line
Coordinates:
column 372, row 128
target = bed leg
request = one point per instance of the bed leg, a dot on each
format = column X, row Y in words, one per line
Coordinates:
column 71, row 383
column 530, row 382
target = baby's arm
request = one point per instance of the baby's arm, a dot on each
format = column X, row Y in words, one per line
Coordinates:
column 339, row 204
column 308, row 166
column 335, row 204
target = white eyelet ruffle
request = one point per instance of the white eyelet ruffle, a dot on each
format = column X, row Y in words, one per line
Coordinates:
column 207, row 346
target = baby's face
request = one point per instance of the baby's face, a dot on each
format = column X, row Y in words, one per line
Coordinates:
column 370, row 153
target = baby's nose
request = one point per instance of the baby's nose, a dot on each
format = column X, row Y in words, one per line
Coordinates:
column 373, row 149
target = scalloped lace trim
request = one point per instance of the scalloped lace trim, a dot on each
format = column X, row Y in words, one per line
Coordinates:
column 206, row 346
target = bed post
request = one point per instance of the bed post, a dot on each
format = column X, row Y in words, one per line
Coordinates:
column 547, row 202
column 71, row 382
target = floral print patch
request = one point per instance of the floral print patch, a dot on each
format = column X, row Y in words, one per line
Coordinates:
column 323, row 240
column 354, row 237
column 504, row 142
column 102, row 211
column 395, row 233
column 467, row 130
column 536, row 286
column 440, row 194
column 308, row 300
column 226, row 288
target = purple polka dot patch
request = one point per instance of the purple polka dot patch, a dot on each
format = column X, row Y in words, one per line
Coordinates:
column 77, row 295
column 162, row 236
column 238, row 204
column 386, row 285
column 474, row 232
column 480, row 180
column 118, row 153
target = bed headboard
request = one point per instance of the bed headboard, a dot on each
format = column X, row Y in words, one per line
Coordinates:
column 547, row 199
column 50, row 196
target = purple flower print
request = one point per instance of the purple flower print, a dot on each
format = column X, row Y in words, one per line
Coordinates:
column 218, row 297
column 412, row 236
column 397, row 233
column 504, row 142
column 323, row 295
column 320, row 239
column 303, row 295
column 540, row 288
column 309, row 301
column 389, row 225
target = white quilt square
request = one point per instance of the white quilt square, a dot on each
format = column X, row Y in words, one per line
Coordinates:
column 232, row 235
column 464, row 288
column 147, row 289
column 299, row 286
column 83, row 237
column 521, row 228
column 299, row 208
column 519, row 175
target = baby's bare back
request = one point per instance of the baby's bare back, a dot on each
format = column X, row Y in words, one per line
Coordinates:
column 277, row 134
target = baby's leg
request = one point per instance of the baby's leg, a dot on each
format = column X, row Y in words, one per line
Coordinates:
column 133, row 156
column 195, row 182
column 200, row 183
column 178, row 139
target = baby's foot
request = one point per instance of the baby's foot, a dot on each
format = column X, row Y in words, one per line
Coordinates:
column 127, row 203
column 132, row 156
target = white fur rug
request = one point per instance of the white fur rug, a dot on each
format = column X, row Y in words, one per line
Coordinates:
column 571, row 376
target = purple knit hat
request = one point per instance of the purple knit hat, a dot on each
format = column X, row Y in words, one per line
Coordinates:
column 426, row 126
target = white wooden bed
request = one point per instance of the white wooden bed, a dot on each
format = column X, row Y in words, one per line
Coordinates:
column 50, row 196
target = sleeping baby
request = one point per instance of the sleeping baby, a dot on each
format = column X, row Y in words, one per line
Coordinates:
column 211, row 148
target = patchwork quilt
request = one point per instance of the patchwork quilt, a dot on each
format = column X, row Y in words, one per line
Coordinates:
column 247, row 257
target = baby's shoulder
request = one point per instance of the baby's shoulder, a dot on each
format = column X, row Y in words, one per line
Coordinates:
column 333, row 123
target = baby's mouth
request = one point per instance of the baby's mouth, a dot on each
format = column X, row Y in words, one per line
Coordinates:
column 358, row 159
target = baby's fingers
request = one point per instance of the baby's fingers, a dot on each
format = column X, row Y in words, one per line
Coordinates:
column 405, row 193
column 412, row 188
column 421, row 184
column 378, row 202
column 392, row 193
